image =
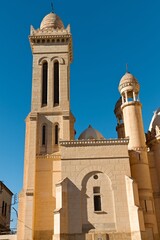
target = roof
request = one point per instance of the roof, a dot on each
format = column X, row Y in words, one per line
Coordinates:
column 3, row 186
column 90, row 133
column 128, row 83
column 51, row 20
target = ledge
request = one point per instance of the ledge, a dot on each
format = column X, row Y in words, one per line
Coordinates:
column 49, row 156
column 122, row 141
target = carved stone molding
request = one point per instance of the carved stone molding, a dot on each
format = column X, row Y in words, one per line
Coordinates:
column 123, row 141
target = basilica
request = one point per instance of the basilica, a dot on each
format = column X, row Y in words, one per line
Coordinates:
column 89, row 188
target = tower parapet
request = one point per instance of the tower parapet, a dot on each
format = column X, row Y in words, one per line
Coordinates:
column 51, row 31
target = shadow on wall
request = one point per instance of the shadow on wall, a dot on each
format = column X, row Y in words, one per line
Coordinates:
column 86, row 225
column 71, row 211
column 74, row 221
column 79, row 203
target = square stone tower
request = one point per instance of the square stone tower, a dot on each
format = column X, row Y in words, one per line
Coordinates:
column 49, row 121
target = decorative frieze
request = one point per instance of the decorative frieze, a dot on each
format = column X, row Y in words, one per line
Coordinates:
column 50, row 39
column 123, row 141
column 48, row 156
column 139, row 149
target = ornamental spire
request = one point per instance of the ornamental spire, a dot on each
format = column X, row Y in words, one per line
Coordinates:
column 126, row 67
column 52, row 7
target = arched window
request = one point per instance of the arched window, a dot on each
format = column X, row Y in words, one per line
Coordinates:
column 56, row 134
column 56, row 83
column 43, row 135
column 97, row 199
column 44, row 83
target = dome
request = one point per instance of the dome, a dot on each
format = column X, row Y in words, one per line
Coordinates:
column 90, row 133
column 51, row 21
column 128, row 83
column 155, row 120
column 128, row 77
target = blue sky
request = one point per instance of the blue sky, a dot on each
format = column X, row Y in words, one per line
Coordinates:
column 106, row 36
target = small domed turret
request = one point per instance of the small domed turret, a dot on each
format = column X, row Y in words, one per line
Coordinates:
column 129, row 84
column 51, row 21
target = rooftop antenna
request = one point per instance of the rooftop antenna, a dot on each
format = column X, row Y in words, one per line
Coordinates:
column 52, row 7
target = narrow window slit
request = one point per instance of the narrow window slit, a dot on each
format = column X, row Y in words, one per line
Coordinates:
column 44, row 135
column 56, row 135
column 44, row 83
column 56, row 83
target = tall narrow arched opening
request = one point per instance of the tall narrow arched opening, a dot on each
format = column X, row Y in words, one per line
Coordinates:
column 56, row 83
column 44, row 83
column 43, row 135
column 56, row 136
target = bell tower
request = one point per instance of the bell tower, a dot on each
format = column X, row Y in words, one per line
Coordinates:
column 49, row 121
column 52, row 55
column 133, row 126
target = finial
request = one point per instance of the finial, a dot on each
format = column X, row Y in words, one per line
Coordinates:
column 127, row 67
column 52, row 7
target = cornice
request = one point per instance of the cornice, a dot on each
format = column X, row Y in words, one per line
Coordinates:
column 49, row 156
column 139, row 149
column 50, row 113
column 126, row 104
column 66, row 37
column 80, row 143
column 52, row 39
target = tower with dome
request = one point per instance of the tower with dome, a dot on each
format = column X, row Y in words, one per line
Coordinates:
column 90, row 188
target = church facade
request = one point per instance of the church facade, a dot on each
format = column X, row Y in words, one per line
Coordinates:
column 91, row 188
